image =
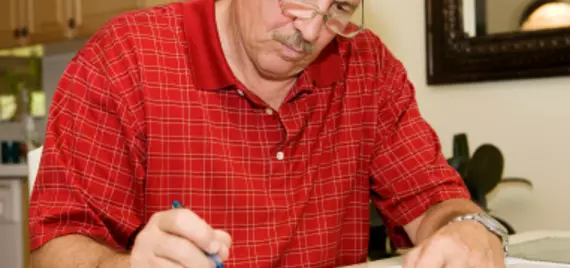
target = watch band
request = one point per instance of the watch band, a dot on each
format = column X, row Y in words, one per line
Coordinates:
column 491, row 224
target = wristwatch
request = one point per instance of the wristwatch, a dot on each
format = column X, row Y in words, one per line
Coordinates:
column 491, row 224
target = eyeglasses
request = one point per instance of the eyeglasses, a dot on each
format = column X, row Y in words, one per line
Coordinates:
column 337, row 18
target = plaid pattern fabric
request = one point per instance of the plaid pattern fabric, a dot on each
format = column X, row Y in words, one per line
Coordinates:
column 148, row 113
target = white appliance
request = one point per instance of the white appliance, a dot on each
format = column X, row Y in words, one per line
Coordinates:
column 11, row 224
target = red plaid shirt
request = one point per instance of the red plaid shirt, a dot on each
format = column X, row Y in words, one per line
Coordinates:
column 148, row 112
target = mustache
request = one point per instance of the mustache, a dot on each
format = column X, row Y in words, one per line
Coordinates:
column 295, row 40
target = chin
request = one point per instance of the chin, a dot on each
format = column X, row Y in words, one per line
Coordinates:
column 276, row 67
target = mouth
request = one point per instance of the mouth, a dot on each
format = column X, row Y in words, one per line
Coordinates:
column 293, row 53
column 296, row 49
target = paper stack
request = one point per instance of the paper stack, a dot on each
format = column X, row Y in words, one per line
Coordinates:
column 522, row 263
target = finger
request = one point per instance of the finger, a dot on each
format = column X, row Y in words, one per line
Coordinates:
column 223, row 237
column 187, row 224
column 226, row 241
column 164, row 263
column 411, row 258
column 179, row 251
column 459, row 264
column 224, row 253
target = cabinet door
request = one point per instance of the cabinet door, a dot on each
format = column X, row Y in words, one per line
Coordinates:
column 151, row 3
column 9, row 22
column 46, row 20
column 90, row 15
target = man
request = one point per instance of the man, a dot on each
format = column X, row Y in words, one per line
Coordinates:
column 270, row 121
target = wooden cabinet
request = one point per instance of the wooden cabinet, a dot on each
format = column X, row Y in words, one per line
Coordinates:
column 26, row 22
column 45, row 21
column 10, row 13
column 90, row 15
column 150, row 3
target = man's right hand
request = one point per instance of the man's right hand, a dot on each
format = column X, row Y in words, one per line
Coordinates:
column 178, row 238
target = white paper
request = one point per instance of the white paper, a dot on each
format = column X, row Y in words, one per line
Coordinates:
column 520, row 263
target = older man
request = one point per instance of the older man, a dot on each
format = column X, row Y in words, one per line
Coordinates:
column 273, row 122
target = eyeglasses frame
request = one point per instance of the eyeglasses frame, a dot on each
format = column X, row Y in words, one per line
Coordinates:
column 326, row 16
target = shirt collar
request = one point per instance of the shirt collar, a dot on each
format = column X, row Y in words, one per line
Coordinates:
column 209, row 65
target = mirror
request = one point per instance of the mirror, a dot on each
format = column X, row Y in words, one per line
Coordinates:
column 507, row 16
column 481, row 40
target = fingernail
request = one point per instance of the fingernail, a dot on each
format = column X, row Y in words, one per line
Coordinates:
column 216, row 261
column 214, row 247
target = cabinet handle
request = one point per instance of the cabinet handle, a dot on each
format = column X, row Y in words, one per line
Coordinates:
column 25, row 31
column 72, row 23
column 17, row 33
column 69, row 7
column 23, row 34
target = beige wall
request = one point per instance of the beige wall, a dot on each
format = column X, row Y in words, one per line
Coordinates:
column 528, row 119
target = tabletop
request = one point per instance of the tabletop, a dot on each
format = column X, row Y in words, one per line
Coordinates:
column 13, row 171
column 514, row 239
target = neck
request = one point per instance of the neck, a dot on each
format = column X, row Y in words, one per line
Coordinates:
column 272, row 91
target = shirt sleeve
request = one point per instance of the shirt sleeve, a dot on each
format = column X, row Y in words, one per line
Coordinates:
column 409, row 171
column 90, row 177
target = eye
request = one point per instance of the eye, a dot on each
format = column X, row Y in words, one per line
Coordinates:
column 343, row 8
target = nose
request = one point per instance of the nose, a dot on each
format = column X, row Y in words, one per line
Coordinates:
column 310, row 28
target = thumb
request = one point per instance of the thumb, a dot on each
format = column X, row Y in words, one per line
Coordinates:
column 226, row 242
column 223, row 237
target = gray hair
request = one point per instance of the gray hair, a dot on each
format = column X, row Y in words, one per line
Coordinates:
column 295, row 40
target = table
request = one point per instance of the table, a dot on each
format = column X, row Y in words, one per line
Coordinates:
column 517, row 238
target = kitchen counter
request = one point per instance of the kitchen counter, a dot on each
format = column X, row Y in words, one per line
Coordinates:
column 13, row 171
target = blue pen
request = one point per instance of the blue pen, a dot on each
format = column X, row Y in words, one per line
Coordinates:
column 213, row 257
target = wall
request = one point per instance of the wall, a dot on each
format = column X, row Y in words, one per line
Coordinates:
column 529, row 120
column 54, row 63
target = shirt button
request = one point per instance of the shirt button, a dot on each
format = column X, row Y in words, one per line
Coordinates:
column 280, row 156
column 240, row 92
column 269, row 111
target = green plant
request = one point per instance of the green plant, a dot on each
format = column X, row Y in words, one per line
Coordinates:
column 15, row 80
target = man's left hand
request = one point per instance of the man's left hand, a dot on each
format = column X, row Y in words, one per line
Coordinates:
column 458, row 245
